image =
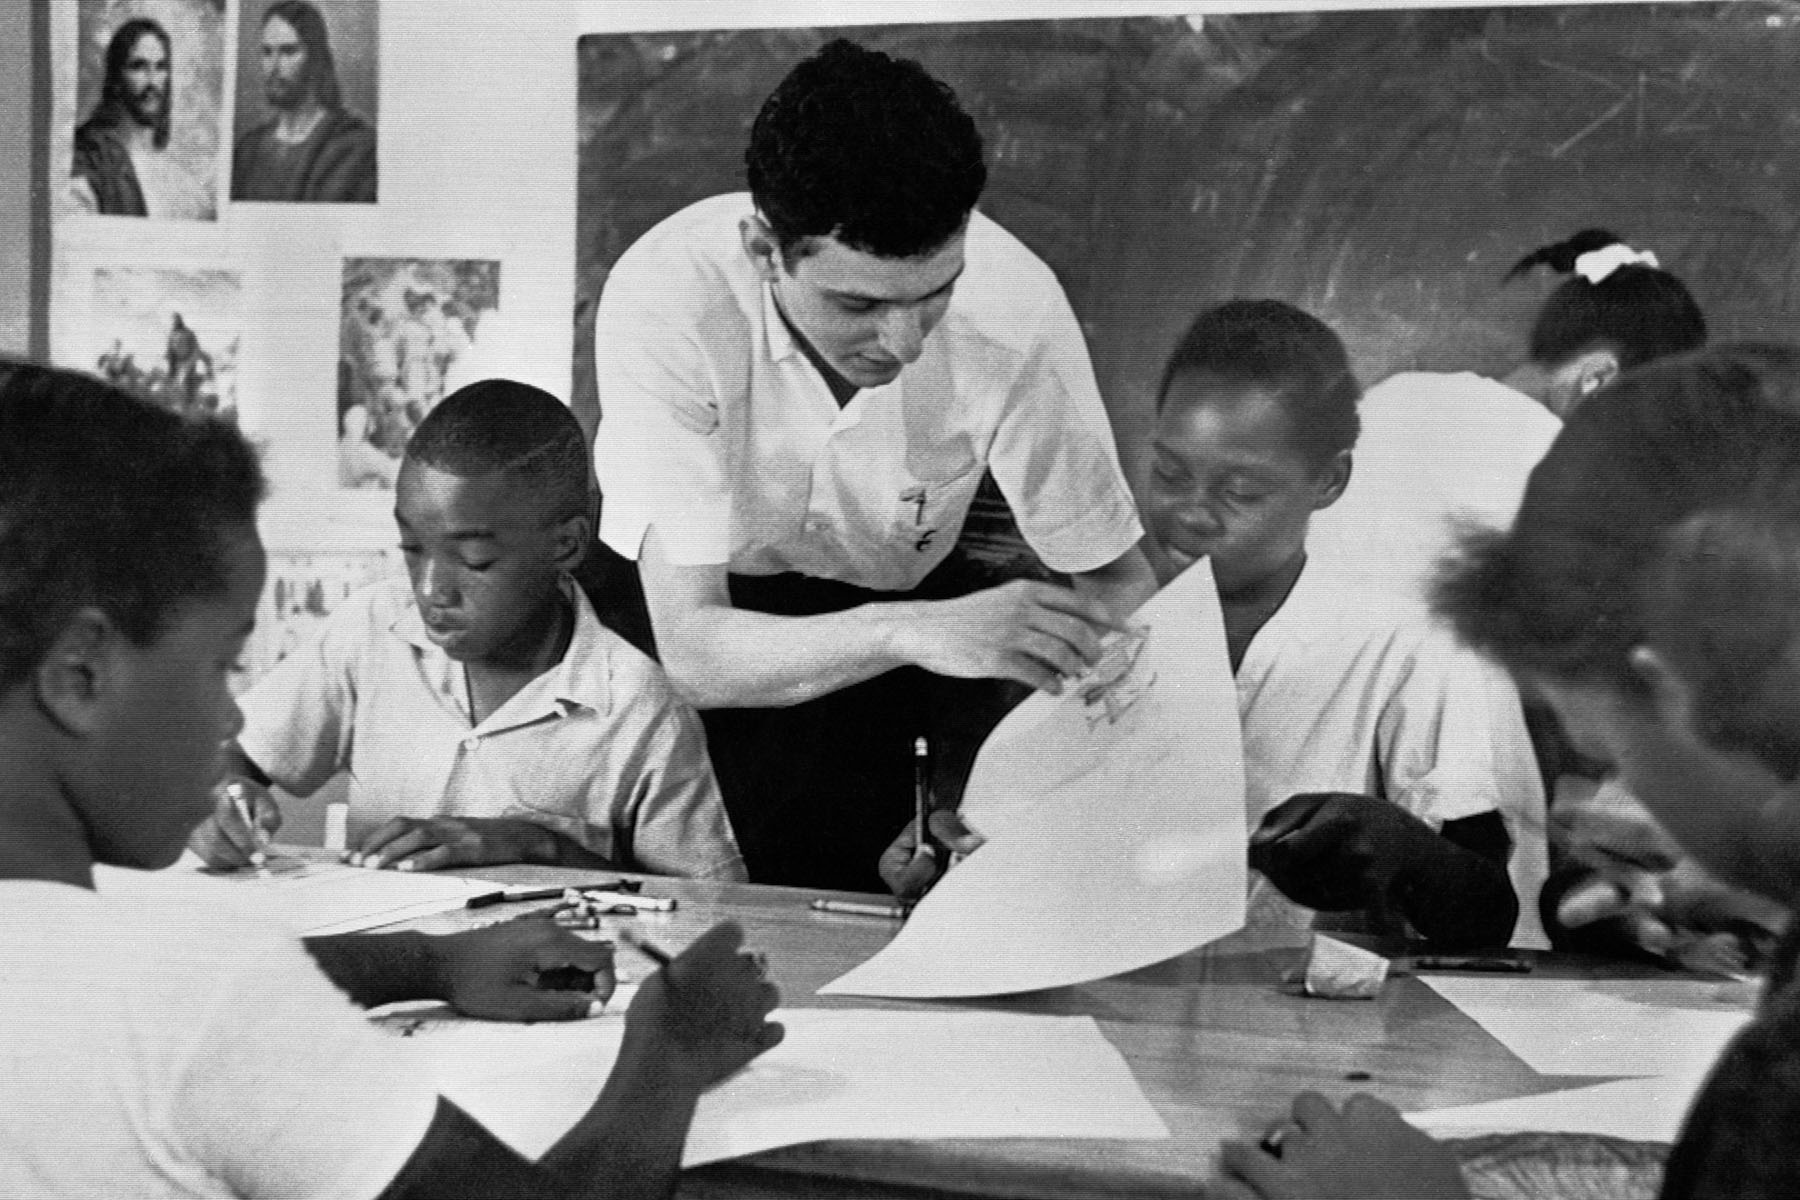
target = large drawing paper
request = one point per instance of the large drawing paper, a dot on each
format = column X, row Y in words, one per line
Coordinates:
column 1651, row 1027
column 840, row 1073
column 315, row 898
column 1643, row 1110
column 1114, row 815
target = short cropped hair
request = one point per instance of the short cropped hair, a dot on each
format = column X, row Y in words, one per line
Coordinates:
column 114, row 101
column 867, row 148
column 504, row 425
column 1274, row 344
column 1566, row 593
column 109, row 502
column 1639, row 312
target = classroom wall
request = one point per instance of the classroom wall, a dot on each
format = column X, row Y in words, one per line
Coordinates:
column 17, row 127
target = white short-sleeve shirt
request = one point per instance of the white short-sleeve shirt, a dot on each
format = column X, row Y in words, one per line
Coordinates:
column 170, row 1042
column 719, row 431
column 1436, row 452
column 598, row 748
column 1349, row 689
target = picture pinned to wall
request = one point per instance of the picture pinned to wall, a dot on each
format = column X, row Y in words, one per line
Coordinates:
column 138, row 99
column 407, row 334
column 171, row 335
column 302, row 590
column 306, row 102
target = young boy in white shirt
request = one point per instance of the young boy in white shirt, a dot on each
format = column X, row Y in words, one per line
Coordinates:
column 172, row 1045
column 485, row 715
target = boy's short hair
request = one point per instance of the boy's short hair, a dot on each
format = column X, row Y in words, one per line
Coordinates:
column 1272, row 343
column 1722, row 601
column 504, row 425
column 867, row 148
column 1562, row 594
column 108, row 502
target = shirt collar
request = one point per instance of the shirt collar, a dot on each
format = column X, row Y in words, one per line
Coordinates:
column 581, row 679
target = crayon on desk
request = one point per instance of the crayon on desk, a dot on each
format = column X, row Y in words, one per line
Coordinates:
column 1497, row 964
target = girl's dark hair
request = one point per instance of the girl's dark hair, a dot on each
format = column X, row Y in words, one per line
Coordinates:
column 1275, row 344
column 1563, row 593
column 109, row 502
column 1640, row 313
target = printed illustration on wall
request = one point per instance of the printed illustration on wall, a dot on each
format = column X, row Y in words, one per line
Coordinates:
column 406, row 332
column 138, row 105
column 172, row 335
column 306, row 96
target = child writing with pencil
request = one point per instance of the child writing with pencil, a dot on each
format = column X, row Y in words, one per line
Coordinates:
column 484, row 714
column 179, row 1043
column 1390, row 782
column 1649, row 591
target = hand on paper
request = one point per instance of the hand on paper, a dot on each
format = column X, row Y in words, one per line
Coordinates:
column 910, row 869
column 223, row 841
column 1035, row 633
column 1633, row 880
column 705, row 1015
column 1365, row 1151
column 434, row 843
column 1334, row 851
column 498, row 972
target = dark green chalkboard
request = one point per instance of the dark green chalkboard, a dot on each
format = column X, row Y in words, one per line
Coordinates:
column 1381, row 169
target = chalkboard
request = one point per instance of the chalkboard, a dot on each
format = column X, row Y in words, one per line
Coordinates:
column 1381, row 169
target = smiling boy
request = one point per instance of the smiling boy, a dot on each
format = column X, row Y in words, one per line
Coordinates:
column 484, row 713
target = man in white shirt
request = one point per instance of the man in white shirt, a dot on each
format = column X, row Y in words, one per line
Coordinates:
column 801, row 389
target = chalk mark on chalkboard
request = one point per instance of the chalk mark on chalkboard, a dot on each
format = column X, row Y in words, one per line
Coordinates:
column 1591, row 126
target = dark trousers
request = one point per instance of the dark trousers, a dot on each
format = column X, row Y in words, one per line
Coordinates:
column 816, row 791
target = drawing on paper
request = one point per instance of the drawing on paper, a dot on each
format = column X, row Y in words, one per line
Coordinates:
column 1114, row 685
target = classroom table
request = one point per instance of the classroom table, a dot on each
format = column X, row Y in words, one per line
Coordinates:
column 1216, row 1041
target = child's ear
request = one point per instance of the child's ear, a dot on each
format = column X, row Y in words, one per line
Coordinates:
column 1671, row 695
column 1597, row 369
column 761, row 246
column 75, row 676
column 570, row 541
column 1332, row 480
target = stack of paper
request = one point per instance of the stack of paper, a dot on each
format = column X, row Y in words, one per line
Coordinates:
column 1666, row 1033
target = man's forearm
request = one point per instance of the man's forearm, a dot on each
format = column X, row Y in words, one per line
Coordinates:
column 721, row 657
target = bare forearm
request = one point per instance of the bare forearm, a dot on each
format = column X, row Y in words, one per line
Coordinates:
column 379, row 968
column 721, row 657
column 1121, row 585
column 628, row 1145
column 1457, row 891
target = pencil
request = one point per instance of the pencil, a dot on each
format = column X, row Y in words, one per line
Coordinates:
column 921, row 787
column 240, row 804
column 860, row 908
column 644, row 946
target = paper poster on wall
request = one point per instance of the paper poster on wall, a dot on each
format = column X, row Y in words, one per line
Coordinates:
column 305, row 130
column 407, row 331
column 138, row 98
column 170, row 334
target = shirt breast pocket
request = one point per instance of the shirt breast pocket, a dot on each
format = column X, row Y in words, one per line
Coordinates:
column 929, row 508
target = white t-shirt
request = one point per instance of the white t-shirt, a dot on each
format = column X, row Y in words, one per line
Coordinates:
column 1436, row 452
column 171, row 1042
column 597, row 748
column 717, row 429
column 1356, row 690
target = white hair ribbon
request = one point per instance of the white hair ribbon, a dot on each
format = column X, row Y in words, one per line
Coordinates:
column 1596, row 265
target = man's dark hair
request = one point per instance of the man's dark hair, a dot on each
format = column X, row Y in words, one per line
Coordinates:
column 867, row 148
column 321, row 68
column 109, row 502
column 115, row 102
column 503, row 425
column 1573, row 586
column 1275, row 345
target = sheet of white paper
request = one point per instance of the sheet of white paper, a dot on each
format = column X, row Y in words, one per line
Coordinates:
column 1644, row 1110
column 1115, row 827
column 316, row 898
column 840, row 1073
column 1646, row 1027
